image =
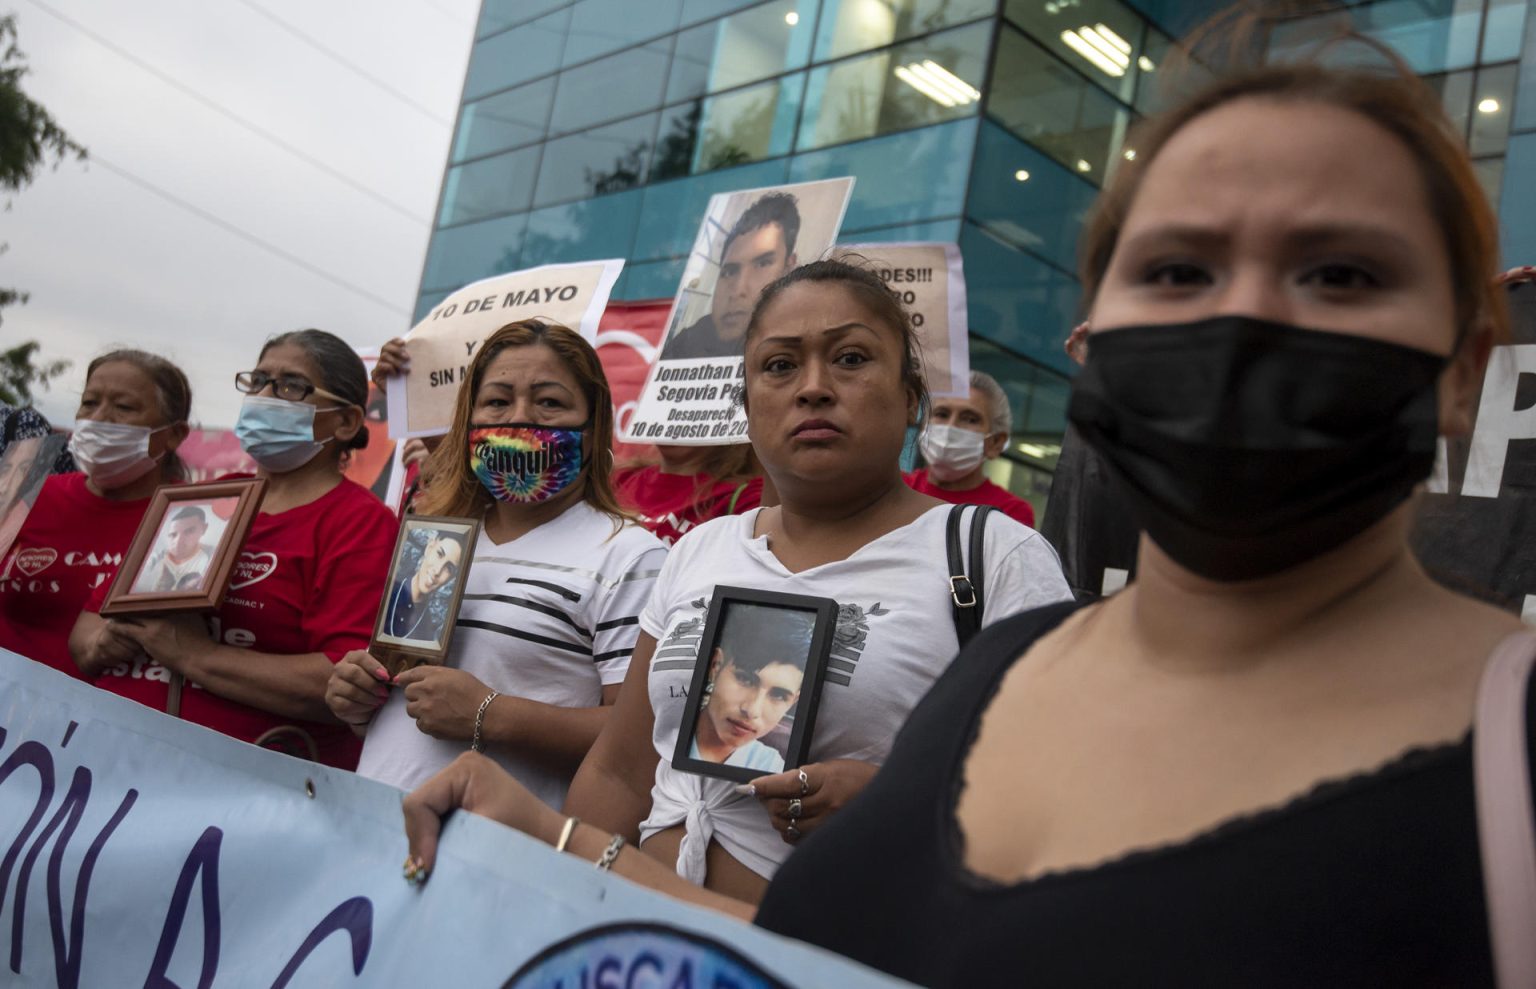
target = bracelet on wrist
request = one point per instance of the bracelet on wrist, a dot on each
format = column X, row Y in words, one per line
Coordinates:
column 565, row 833
column 475, row 743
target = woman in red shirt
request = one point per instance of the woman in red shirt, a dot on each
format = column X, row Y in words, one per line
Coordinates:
column 133, row 415
column 690, row 486
column 308, row 579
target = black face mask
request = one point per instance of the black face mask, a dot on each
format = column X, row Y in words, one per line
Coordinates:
column 1247, row 446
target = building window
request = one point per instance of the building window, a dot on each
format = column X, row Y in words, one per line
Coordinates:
column 1102, row 39
column 621, row 85
column 602, row 26
column 746, row 47
column 852, row 26
column 602, row 160
column 517, row 54
column 489, row 187
column 516, row 117
column 928, row 81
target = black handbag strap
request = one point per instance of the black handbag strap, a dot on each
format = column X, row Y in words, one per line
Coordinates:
column 967, row 587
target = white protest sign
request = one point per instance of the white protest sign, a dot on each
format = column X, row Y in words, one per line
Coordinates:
column 421, row 402
column 930, row 280
column 747, row 240
column 146, row 851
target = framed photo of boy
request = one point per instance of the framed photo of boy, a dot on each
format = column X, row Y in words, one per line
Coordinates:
column 756, row 684
column 185, row 548
column 424, row 591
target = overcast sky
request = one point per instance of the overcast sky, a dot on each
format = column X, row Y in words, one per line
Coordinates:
column 110, row 262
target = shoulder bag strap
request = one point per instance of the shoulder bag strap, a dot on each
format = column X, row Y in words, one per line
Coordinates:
column 730, row 509
column 1506, row 832
column 966, row 588
column 978, row 569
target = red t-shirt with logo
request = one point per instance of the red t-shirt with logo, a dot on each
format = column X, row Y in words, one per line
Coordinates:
column 307, row 580
column 671, row 504
column 69, row 548
column 985, row 493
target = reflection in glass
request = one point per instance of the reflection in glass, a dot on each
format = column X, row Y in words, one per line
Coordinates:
column 1504, row 30
column 602, row 26
column 851, row 26
column 619, row 86
column 1430, row 35
column 525, row 52
column 602, row 160
column 1019, row 195
column 931, row 180
column 580, row 231
column 1492, row 99
column 672, row 209
column 744, row 48
column 748, row 124
column 460, row 255
column 1018, row 300
column 1099, row 38
column 1054, row 108
column 506, row 120
column 489, row 187
column 922, row 82
column 497, row 15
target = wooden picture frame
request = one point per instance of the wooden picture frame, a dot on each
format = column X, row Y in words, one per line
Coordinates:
column 152, row 581
column 763, row 638
column 412, row 630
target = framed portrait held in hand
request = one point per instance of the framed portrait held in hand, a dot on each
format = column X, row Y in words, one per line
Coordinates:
column 756, row 684
column 185, row 548
column 424, row 591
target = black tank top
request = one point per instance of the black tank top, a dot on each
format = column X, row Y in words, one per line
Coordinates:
column 1369, row 880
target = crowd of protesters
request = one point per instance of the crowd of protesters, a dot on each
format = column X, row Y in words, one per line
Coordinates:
column 1250, row 767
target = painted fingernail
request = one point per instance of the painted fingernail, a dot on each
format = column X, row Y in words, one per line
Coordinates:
column 746, row 790
column 381, row 674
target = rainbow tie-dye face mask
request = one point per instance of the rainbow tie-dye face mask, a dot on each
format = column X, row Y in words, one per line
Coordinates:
column 524, row 463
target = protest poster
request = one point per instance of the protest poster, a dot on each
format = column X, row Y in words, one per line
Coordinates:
column 628, row 340
column 747, row 239
column 930, row 280
column 148, row 851
column 440, row 346
column 1475, row 530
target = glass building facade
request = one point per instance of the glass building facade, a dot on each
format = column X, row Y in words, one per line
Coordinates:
column 600, row 128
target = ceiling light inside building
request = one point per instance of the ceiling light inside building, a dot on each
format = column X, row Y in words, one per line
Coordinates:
column 1083, row 166
column 1021, row 175
column 1489, row 105
column 937, row 83
column 1129, row 154
column 1040, row 451
column 791, row 18
column 1145, row 64
column 1102, row 47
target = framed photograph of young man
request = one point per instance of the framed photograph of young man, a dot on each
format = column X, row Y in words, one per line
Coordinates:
column 756, row 684
column 424, row 591
column 185, row 548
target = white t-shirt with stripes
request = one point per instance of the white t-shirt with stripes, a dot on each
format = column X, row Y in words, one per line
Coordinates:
column 551, row 616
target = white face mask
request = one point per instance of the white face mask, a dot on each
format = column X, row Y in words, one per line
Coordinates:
column 951, row 452
column 112, row 454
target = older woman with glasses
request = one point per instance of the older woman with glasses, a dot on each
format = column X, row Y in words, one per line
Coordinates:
column 309, row 578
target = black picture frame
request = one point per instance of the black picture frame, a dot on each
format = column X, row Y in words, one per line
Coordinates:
column 401, row 652
column 822, row 615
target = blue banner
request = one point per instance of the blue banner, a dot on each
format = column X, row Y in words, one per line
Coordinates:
column 139, row 850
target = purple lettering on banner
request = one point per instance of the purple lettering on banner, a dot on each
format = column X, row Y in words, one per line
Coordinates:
column 355, row 916
column 204, row 859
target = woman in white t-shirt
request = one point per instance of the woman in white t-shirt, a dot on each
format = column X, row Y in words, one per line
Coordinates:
column 554, row 588
column 832, row 384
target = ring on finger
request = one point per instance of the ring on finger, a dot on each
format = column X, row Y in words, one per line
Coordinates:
column 792, row 833
column 795, row 809
column 805, row 782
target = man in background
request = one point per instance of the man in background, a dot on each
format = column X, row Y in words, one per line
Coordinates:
column 962, row 434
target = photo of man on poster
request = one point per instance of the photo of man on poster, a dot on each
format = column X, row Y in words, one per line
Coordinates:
column 759, row 248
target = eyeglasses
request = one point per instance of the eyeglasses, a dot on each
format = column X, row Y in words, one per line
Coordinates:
column 289, row 387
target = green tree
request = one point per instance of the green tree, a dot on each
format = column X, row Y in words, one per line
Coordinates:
column 29, row 139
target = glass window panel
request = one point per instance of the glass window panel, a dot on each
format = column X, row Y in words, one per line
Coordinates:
column 496, row 15
column 1016, row 299
column 929, row 184
column 1156, row 48
column 1455, row 89
column 1504, row 30
column 506, row 120
column 1053, row 108
column 749, row 124
column 1431, row 35
column 702, row 10
column 581, row 231
column 1525, row 98
column 525, row 52
column 743, row 48
column 1492, row 99
column 1517, row 202
column 1490, row 175
column 850, row 26
column 424, row 303
column 602, row 26
column 1025, row 198
column 938, row 231
column 602, row 160
column 672, row 210
column 922, row 82
column 619, row 86
column 460, row 255
column 489, row 186
column 1099, row 38
column 651, row 280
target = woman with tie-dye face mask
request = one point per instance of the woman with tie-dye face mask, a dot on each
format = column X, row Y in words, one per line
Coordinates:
column 555, row 585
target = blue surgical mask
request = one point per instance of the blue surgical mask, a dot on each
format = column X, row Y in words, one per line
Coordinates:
column 278, row 434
